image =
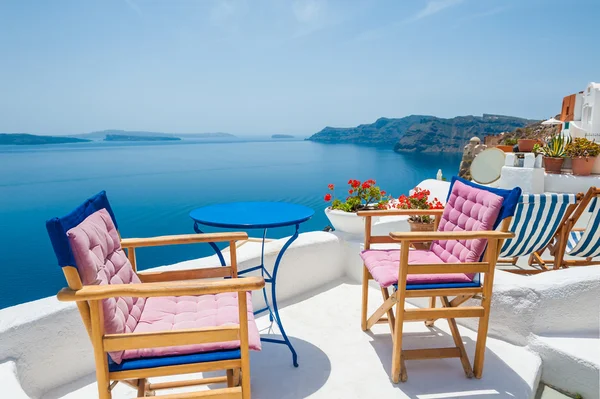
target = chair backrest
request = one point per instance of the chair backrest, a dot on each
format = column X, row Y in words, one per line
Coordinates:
column 589, row 243
column 471, row 207
column 58, row 227
column 537, row 220
column 88, row 239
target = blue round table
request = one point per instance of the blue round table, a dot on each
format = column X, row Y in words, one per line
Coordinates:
column 257, row 215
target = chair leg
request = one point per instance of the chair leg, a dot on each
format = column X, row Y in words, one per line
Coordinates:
column 230, row 383
column 430, row 323
column 482, row 336
column 390, row 312
column 365, row 298
column 233, row 377
column 464, row 358
column 398, row 366
column 100, row 358
column 141, row 390
column 245, row 383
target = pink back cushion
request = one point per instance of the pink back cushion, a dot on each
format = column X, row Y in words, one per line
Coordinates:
column 100, row 260
column 468, row 209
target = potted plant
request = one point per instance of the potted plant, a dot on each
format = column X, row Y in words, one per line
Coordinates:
column 419, row 199
column 526, row 145
column 553, row 152
column 507, row 145
column 583, row 153
column 361, row 195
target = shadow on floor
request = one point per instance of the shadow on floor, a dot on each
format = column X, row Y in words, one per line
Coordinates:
column 275, row 377
column 445, row 378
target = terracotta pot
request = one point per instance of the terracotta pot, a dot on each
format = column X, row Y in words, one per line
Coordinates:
column 505, row 148
column 526, row 145
column 415, row 226
column 582, row 166
column 553, row 165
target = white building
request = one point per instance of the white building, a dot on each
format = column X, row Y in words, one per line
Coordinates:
column 581, row 112
column 590, row 110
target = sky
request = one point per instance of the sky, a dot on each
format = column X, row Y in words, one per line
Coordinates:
column 286, row 66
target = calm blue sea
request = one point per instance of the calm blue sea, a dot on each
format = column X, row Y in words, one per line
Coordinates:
column 154, row 186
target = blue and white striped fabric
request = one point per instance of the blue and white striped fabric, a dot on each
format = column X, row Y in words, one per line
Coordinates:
column 587, row 243
column 573, row 239
column 536, row 221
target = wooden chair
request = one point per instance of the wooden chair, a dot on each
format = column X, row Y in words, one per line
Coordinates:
column 465, row 245
column 539, row 219
column 145, row 325
column 578, row 242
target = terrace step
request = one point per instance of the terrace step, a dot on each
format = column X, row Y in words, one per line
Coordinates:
column 570, row 363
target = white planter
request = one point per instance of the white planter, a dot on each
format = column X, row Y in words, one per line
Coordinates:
column 596, row 167
column 347, row 222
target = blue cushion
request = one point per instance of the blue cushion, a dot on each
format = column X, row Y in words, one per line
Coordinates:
column 153, row 362
column 58, row 227
column 443, row 285
column 511, row 198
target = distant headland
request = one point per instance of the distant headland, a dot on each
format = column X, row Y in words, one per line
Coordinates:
column 32, row 139
column 105, row 135
column 422, row 133
column 149, row 136
column 123, row 137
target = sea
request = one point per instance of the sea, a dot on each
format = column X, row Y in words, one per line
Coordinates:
column 153, row 186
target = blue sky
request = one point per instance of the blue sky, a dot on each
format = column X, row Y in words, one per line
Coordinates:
column 283, row 66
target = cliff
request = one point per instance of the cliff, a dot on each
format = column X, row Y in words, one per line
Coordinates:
column 32, row 139
column 422, row 133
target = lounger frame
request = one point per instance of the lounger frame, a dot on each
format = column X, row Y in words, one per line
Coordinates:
column 562, row 237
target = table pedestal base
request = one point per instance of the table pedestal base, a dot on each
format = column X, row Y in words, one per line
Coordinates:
column 269, row 279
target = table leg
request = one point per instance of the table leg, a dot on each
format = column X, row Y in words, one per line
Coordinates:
column 262, row 273
column 212, row 244
column 275, row 312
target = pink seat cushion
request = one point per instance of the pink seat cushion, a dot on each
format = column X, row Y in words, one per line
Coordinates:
column 384, row 265
column 180, row 313
column 100, row 260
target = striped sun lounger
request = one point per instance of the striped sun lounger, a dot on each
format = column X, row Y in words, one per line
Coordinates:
column 586, row 243
column 537, row 220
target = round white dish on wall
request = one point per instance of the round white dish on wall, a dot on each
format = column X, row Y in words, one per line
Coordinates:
column 487, row 166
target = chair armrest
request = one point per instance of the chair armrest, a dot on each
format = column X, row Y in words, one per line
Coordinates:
column 401, row 212
column 171, row 288
column 450, row 235
column 182, row 239
column 186, row 274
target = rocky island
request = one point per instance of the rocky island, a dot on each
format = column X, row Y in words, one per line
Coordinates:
column 32, row 139
column 121, row 137
column 282, row 136
column 149, row 136
column 422, row 133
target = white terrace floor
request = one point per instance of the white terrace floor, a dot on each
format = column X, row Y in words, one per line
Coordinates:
column 338, row 360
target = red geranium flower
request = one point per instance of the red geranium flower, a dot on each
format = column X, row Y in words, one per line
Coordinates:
column 330, row 186
column 327, row 197
column 350, row 191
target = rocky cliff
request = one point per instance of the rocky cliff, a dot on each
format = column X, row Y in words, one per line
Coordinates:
column 422, row 133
